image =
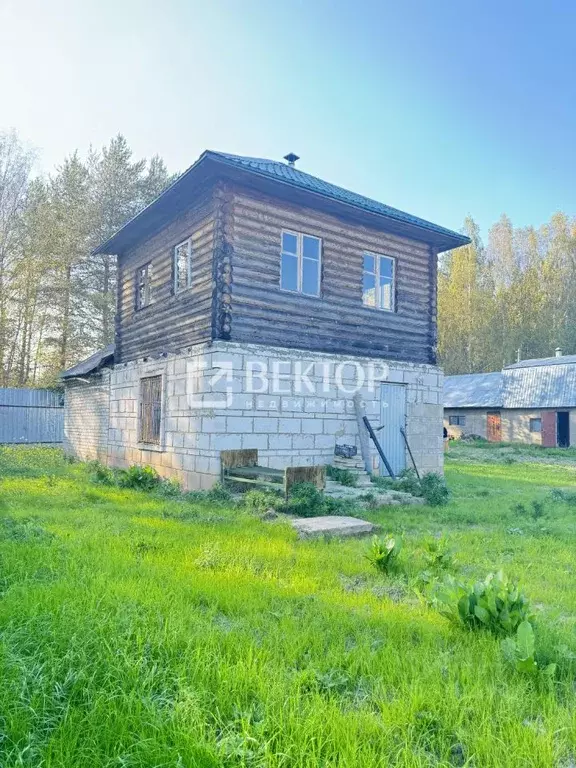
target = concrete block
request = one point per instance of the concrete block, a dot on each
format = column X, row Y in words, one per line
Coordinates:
column 224, row 442
column 255, row 441
column 238, row 424
column 269, row 425
column 302, row 441
column 332, row 525
column 279, row 442
column 289, row 426
column 312, row 426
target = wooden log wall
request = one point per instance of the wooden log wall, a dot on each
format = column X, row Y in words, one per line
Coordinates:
column 337, row 321
column 172, row 321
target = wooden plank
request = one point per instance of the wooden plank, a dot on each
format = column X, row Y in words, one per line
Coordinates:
column 242, row 457
column 315, row 475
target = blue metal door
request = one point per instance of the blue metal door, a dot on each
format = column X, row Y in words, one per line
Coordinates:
column 393, row 416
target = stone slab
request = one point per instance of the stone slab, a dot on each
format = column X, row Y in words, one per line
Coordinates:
column 332, row 525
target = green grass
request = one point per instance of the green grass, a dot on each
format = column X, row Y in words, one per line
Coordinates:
column 140, row 631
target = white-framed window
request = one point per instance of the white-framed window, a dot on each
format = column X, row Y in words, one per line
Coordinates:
column 300, row 267
column 457, row 421
column 143, row 285
column 183, row 265
column 378, row 281
column 150, row 410
column 536, row 425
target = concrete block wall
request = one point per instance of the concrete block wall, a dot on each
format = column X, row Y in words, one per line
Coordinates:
column 86, row 417
column 207, row 409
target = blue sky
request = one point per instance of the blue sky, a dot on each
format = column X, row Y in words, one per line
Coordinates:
column 438, row 108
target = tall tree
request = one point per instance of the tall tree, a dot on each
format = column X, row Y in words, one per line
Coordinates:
column 15, row 168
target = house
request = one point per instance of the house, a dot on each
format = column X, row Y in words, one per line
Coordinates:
column 532, row 401
column 254, row 302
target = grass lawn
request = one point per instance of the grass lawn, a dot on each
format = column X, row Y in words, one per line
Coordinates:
column 140, row 631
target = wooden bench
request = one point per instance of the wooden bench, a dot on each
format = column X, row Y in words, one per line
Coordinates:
column 241, row 466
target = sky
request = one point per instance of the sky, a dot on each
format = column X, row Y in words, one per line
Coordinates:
column 442, row 108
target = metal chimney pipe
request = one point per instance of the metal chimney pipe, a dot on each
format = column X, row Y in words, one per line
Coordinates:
column 558, row 351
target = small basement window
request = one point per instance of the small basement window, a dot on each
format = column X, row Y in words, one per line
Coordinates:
column 183, row 266
column 300, row 263
column 536, row 425
column 378, row 281
column 143, row 286
column 457, row 421
column 150, row 409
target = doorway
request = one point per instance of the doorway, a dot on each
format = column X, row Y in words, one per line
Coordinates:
column 563, row 429
column 494, row 427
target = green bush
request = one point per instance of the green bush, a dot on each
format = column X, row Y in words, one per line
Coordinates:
column 139, row 478
column 438, row 554
column 305, row 500
column 519, row 651
column 342, row 476
column 538, row 509
column 219, row 494
column 384, row 553
column 407, row 482
column 559, row 494
column 495, row 604
column 100, row 474
column 259, row 502
column 434, row 489
column 169, row 489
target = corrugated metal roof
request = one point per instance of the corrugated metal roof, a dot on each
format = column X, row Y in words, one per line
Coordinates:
column 562, row 360
column 473, row 390
column 92, row 364
column 288, row 173
column 172, row 200
column 542, row 383
column 540, row 386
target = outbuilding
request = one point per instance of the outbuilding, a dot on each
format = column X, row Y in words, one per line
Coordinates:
column 532, row 401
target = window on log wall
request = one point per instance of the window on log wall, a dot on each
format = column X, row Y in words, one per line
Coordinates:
column 379, row 280
column 183, row 266
column 150, row 409
column 300, row 263
column 143, row 286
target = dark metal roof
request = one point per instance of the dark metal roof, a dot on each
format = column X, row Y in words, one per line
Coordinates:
column 92, row 364
column 473, row 390
column 173, row 199
column 298, row 178
column 542, row 383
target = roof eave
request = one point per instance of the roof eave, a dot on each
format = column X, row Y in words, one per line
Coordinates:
column 442, row 241
column 445, row 241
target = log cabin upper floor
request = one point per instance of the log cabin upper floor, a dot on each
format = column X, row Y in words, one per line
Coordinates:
column 256, row 251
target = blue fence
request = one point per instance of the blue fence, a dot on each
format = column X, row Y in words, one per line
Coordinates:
column 31, row 416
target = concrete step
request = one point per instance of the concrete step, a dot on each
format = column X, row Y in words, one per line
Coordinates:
column 331, row 525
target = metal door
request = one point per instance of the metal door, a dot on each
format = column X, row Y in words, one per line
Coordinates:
column 549, row 429
column 494, row 427
column 393, row 416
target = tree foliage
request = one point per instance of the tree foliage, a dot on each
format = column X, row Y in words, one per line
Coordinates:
column 56, row 299
column 516, row 296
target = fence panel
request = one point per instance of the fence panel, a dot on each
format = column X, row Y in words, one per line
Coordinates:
column 31, row 416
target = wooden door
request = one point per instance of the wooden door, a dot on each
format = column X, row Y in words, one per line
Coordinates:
column 494, row 427
column 549, row 429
